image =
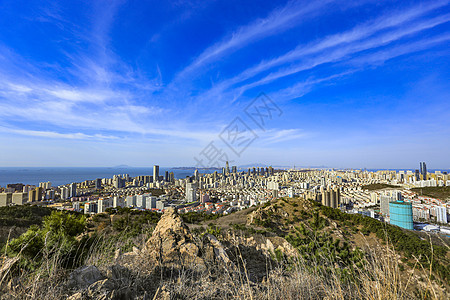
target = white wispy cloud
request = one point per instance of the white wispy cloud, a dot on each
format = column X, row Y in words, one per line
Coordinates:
column 344, row 52
column 356, row 34
column 274, row 136
column 371, row 35
column 293, row 13
column 57, row 135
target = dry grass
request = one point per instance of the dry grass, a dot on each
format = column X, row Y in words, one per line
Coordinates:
column 292, row 278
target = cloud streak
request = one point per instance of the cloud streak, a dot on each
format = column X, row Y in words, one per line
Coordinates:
column 336, row 47
column 279, row 20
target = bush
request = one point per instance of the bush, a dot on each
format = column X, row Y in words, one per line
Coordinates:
column 196, row 218
column 57, row 236
column 406, row 242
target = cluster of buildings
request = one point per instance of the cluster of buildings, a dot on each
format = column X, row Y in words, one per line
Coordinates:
column 232, row 189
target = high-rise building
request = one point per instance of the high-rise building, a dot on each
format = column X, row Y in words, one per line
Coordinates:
column 191, row 192
column 118, row 202
column 5, row 199
column 330, row 197
column 32, row 196
column 166, row 176
column 15, row 187
column 227, row 168
column 234, row 169
column 19, row 198
column 423, row 170
column 131, row 201
column 118, row 182
column 90, row 207
column 73, row 190
column 441, row 214
column 45, row 185
column 384, row 204
column 50, row 195
column 98, row 183
column 150, row 202
column 39, row 192
column 64, row 193
column 417, row 175
column 155, row 173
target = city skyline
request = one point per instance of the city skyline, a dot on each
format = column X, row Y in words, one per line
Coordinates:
column 358, row 85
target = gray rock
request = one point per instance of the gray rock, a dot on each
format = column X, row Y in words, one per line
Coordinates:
column 84, row 277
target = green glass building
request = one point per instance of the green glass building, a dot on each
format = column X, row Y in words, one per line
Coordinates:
column 401, row 214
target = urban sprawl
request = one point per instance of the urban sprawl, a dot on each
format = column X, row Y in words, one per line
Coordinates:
column 235, row 189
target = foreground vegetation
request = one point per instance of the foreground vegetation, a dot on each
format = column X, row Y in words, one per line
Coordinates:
column 330, row 262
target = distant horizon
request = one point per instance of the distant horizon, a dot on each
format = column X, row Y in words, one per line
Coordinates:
column 238, row 166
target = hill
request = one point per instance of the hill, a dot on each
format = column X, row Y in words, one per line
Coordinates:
column 378, row 186
column 290, row 248
column 440, row 192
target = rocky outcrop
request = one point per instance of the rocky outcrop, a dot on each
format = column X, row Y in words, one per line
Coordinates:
column 172, row 243
column 172, row 246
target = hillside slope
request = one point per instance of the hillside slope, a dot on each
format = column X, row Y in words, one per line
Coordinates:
column 286, row 249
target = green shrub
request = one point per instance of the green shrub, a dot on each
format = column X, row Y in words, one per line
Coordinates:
column 56, row 236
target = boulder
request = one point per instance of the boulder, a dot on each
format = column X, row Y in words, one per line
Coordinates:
column 84, row 277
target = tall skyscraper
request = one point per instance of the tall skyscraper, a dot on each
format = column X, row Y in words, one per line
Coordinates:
column 155, row 173
column 423, row 170
column 191, row 192
column 118, row 182
column 227, row 168
column 166, row 177
column 417, row 175
column 98, row 183
column 72, row 190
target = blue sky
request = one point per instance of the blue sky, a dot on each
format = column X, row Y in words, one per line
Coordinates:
column 101, row 83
